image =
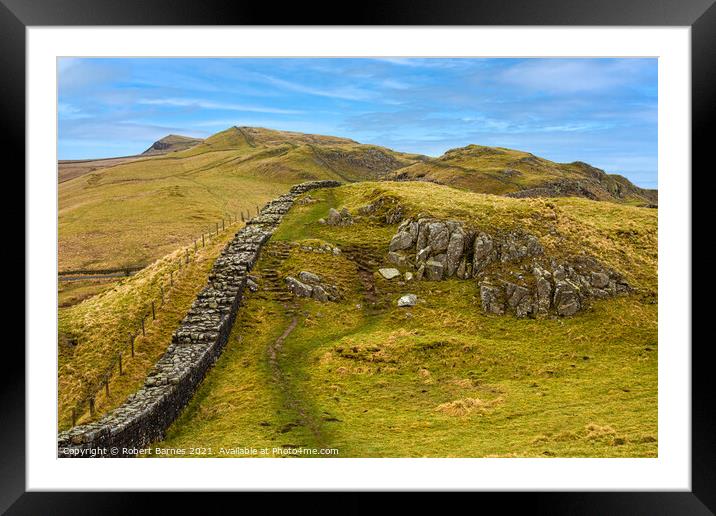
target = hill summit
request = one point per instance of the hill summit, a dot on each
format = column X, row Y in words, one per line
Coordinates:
column 497, row 170
column 170, row 143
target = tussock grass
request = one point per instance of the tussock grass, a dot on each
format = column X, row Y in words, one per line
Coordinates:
column 467, row 406
column 72, row 292
column 93, row 332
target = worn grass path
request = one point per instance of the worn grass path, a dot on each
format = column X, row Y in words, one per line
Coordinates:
column 292, row 399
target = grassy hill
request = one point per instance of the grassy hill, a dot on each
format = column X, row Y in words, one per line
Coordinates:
column 132, row 213
column 510, row 172
column 92, row 332
column 70, row 169
column 440, row 379
column 171, row 143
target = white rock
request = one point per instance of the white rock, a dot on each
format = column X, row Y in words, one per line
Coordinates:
column 408, row 300
column 389, row 273
column 408, row 276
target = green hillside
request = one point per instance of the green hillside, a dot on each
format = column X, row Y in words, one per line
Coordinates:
column 92, row 333
column 135, row 212
column 510, row 172
column 441, row 378
column 131, row 211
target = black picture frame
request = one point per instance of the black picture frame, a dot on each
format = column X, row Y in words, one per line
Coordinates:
column 700, row 15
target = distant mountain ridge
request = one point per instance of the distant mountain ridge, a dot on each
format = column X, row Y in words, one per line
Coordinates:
column 289, row 156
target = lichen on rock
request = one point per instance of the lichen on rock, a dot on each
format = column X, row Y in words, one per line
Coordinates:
column 513, row 273
column 311, row 285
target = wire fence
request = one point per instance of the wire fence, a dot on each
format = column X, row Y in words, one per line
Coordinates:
column 118, row 363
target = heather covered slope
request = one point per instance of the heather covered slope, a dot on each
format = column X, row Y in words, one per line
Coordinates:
column 503, row 171
column 441, row 378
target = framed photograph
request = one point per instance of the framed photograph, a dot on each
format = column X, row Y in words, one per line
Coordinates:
column 438, row 249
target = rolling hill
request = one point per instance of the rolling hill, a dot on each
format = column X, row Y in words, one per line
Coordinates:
column 136, row 211
column 131, row 211
column 521, row 174
column 360, row 373
column 72, row 168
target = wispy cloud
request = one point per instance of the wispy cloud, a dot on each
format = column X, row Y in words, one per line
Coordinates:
column 339, row 92
column 602, row 111
column 423, row 62
column 573, row 76
column 208, row 104
column 69, row 112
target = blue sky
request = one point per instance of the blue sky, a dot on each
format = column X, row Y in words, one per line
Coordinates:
column 602, row 111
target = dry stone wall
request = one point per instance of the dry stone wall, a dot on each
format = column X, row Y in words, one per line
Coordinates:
column 196, row 345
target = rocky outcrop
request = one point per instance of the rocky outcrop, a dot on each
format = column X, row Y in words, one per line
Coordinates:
column 447, row 249
column 310, row 285
column 513, row 273
column 195, row 346
column 386, row 209
column 338, row 218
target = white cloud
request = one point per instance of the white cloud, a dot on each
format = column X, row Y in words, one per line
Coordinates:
column 572, row 76
column 67, row 111
column 343, row 92
column 208, row 104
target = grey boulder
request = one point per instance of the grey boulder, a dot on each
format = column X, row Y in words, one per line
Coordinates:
column 389, row 272
column 408, row 300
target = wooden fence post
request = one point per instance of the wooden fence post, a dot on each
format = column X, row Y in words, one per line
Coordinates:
column 91, row 406
column 202, row 240
column 106, row 387
column 171, row 273
column 242, row 215
column 257, row 210
column 154, row 315
column 120, row 363
column 222, row 225
column 74, row 416
column 143, row 332
column 161, row 294
column 217, row 228
column 131, row 343
column 187, row 255
column 195, row 246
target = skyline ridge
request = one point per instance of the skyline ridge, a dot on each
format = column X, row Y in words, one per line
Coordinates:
column 597, row 110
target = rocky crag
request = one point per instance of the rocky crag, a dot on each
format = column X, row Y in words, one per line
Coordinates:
column 512, row 270
column 195, row 346
column 311, row 285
